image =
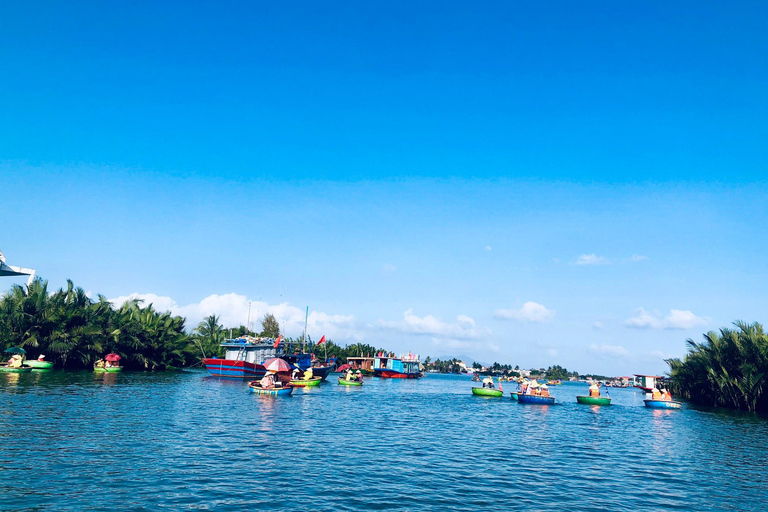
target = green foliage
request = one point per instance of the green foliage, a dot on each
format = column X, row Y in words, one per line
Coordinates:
column 270, row 327
column 74, row 331
column 728, row 369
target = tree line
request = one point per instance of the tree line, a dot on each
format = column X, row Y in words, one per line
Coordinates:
column 74, row 331
column 728, row 369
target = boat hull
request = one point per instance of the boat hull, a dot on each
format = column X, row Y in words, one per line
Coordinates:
column 487, row 392
column 257, row 390
column 386, row 373
column 313, row 382
column 593, row 400
column 345, row 382
column 8, row 369
column 322, row 371
column 662, row 404
column 112, row 369
column 533, row 399
column 232, row 368
column 41, row 365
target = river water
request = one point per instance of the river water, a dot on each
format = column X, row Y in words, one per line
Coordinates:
column 180, row 441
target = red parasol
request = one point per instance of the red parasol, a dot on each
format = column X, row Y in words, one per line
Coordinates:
column 276, row 364
column 112, row 357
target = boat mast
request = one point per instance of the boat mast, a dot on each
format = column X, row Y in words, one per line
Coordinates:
column 304, row 337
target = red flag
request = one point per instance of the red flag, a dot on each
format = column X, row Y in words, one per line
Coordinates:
column 322, row 340
column 500, row 388
column 277, row 341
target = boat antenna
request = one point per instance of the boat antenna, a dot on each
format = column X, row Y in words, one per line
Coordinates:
column 304, row 336
column 248, row 323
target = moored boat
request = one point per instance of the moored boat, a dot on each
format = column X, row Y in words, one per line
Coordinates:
column 535, row 399
column 345, row 382
column 648, row 382
column 663, row 404
column 311, row 383
column 364, row 364
column 391, row 367
column 244, row 357
column 487, row 392
column 594, row 400
column 256, row 388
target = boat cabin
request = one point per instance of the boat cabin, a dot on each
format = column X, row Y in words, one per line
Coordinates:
column 396, row 364
column 648, row 382
column 364, row 364
column 250, row 349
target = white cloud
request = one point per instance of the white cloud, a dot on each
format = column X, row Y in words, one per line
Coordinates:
column 530, row 312
column 388, row 268
column 610, row 350
column 232, row 310
column 676, row 319
column 598, row 326
column 592, row 259
column 636, row 257
column 463, row 329
column 488, row 248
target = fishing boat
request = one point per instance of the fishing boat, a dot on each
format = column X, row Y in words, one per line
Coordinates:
column 390, row 367
column 311, row 383
column 555, row 382
column 535, row 399
column 487, row 392
column 514, row 395
column 256, row 388
column 663, row 404
column 594, row 400
column 345, row 382
column 244, row 357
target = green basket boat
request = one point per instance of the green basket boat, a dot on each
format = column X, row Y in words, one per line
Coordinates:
column 487, row 392
column 40, row 365
column 593, row 400
column 345, row 382
column 8, row 369
column 311, row 383
column 111, row 369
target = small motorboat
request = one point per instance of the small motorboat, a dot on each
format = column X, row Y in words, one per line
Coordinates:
column 594, row 400
column 345, row 382
column 256, row 388
column 514, row 395
column 311, row 383
column 487, row 392
column 663, row 404
column 535, row 399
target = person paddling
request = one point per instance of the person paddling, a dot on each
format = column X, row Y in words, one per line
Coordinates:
column 594, row 390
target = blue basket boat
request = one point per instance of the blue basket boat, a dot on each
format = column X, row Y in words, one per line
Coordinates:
column 662, row 404
column 534, row 399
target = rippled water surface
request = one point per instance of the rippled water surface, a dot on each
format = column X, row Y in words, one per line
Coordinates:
column 175, row 441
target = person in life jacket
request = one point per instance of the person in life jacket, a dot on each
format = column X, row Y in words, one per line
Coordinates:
column 488, row 382
column 308, row 374
column 666, row 395
column 349, row 375
column 544, row 390
column 655, row 394
column 594, row 390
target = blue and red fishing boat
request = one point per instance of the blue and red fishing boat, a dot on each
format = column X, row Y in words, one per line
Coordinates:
column 390, row 367
column 244, row 357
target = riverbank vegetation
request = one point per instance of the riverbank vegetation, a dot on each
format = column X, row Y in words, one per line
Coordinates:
column 728, row 369
column 73, row 330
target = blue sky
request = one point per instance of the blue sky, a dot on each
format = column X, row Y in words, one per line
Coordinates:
column 530, row 183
